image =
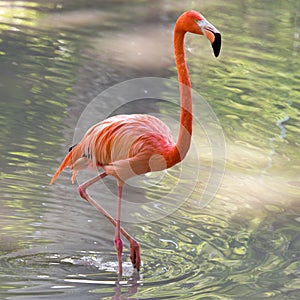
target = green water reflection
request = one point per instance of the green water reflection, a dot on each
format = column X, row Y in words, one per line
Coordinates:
column 36, row 80
column 55, row 57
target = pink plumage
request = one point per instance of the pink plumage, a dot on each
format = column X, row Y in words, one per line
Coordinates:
column 128, row 145
column 124, row 146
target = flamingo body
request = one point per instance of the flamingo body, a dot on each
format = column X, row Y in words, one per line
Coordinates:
column 124, row 146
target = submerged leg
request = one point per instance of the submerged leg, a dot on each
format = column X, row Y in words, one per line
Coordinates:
column 134, row 245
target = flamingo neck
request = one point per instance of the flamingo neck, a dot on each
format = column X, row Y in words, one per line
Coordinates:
column 185, row 131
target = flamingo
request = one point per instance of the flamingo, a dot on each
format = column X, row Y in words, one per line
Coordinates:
column 124, row 146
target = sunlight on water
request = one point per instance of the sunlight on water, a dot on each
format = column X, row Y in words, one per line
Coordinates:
column 56, row 57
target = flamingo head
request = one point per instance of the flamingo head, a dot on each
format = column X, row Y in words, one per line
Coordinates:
column 192, row 21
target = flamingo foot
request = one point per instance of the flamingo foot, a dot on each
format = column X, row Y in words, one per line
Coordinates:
column 119, row 248
column 135, row 254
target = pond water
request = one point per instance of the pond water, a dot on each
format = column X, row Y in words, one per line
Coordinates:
column 244, row 243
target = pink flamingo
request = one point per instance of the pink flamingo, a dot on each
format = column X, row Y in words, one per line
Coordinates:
column 128, row 145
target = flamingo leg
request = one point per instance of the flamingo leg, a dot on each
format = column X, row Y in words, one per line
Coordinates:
column 134, row 245
column 118, row 240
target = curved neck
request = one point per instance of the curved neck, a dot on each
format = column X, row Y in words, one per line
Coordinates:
column 185, row 131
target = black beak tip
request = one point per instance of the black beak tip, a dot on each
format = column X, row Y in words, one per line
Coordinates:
column 216, row 45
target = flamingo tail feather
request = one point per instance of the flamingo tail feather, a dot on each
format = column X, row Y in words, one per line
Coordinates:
column 65, row 163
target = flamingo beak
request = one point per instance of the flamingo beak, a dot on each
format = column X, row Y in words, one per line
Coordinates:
column 212, row 34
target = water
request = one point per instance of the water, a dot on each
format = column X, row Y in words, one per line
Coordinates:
column 55, row 58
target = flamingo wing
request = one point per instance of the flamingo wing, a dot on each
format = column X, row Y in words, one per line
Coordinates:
column 124, row 146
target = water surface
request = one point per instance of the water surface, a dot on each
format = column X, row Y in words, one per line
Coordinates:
column 56, row 57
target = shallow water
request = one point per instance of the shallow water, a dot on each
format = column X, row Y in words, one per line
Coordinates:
column 243, row 243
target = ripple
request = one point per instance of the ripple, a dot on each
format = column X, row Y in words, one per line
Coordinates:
column 207, row 255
